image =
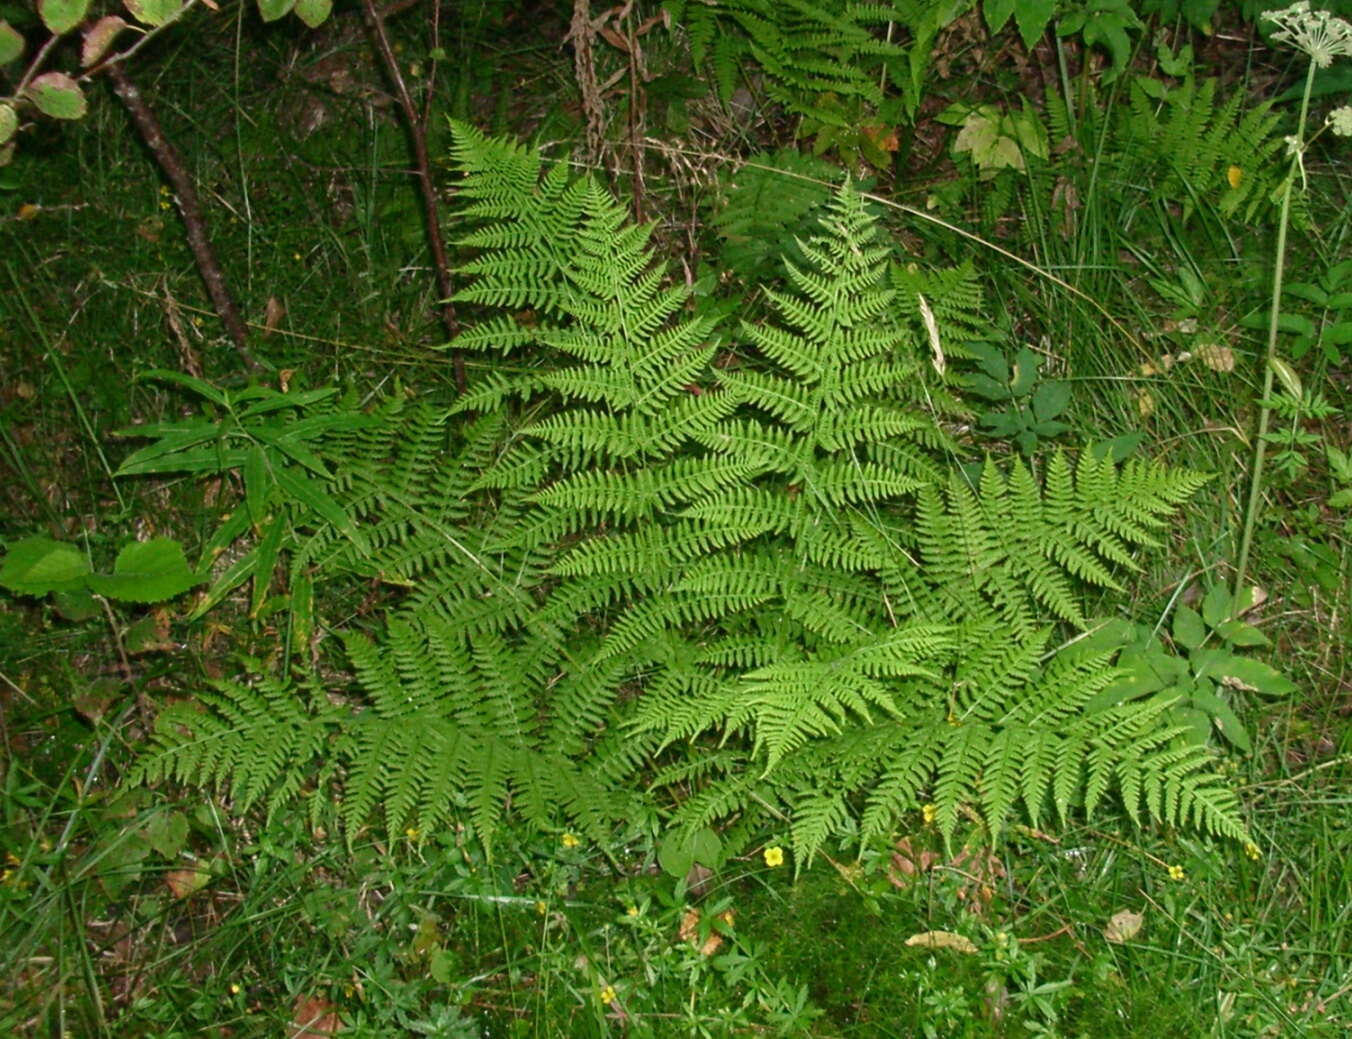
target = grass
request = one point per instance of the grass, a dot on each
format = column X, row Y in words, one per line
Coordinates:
column 159, row 913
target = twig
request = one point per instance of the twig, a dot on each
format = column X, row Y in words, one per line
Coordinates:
column 185, row 194
column 417, row 132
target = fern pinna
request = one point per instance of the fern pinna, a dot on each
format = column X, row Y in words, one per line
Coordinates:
column 761, row 588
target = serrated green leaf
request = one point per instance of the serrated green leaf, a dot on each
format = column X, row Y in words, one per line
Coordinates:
column 38, row 565
column 1189, row 630
column 75, row 604
column 147, row 571
column 56, row 95
column 61, row 16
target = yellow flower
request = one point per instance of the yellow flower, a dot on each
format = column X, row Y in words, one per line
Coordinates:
column 1251, row 850
column 609, row 995
column 570, row 840
column 541, row 908
column 412, row 833
column 234, row 988
column 774, row 856
column 1176, row 872
column 631, row 911
column 928, row 813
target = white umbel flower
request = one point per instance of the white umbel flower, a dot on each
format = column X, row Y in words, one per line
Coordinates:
column 1340, row 121
column 1321, row 35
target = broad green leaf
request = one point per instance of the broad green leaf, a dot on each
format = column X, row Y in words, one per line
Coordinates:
column 706, row 847
column 1216, row 605
column 675, row 855
column 1025, row 373
column 38, row 565
column 1237, row 633
column 1255, row 676
column 313, row 13
column 76, row 604
column 9, row 122
column 1050, row 399
column 1189, row 629
column 11, row 43
column 167, row 833
column 1226, row 720
column 997, row 12
column 61, row 16
column 147, row 571
column 56, row 95
column 153, row 12
column 98, row 38
column 1341, row 499
column 271, row 10
column 1033, row 16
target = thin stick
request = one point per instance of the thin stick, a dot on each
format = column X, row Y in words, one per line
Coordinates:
column 185, row 194
column 417, row 132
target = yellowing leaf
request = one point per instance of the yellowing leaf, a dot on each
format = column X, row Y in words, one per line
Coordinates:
column 942, row 940
column 1123, row 927
column 1234, row 176
column 57, row 95
column 99, row 37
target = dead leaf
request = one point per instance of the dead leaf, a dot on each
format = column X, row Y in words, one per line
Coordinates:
column 273, row 312
column 184, row 882
column 1124, row 926
column 1216, row 357
column 313, row 1017
column 942, row 940
column 690, row 928
column 908, row 862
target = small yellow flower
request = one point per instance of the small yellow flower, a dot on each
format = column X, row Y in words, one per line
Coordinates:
column 1251, row 850
column 1176, row 872
column 234, row 988
column 774, row 856
column 928, row 813
column 296, row 257
column 413, row 833
column 631, row 911
column 609, row 995
column 541, row 908
column 570, row 840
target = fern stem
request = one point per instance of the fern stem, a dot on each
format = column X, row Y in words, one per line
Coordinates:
column 1265, row 408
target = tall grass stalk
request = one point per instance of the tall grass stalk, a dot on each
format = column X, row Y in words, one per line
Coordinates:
column 1321, row 37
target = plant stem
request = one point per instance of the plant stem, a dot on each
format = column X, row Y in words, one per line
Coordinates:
column 1264, row 408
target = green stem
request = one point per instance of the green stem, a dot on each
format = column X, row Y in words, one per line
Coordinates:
column 1264, row 409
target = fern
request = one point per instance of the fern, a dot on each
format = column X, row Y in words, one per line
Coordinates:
column 757, row 589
